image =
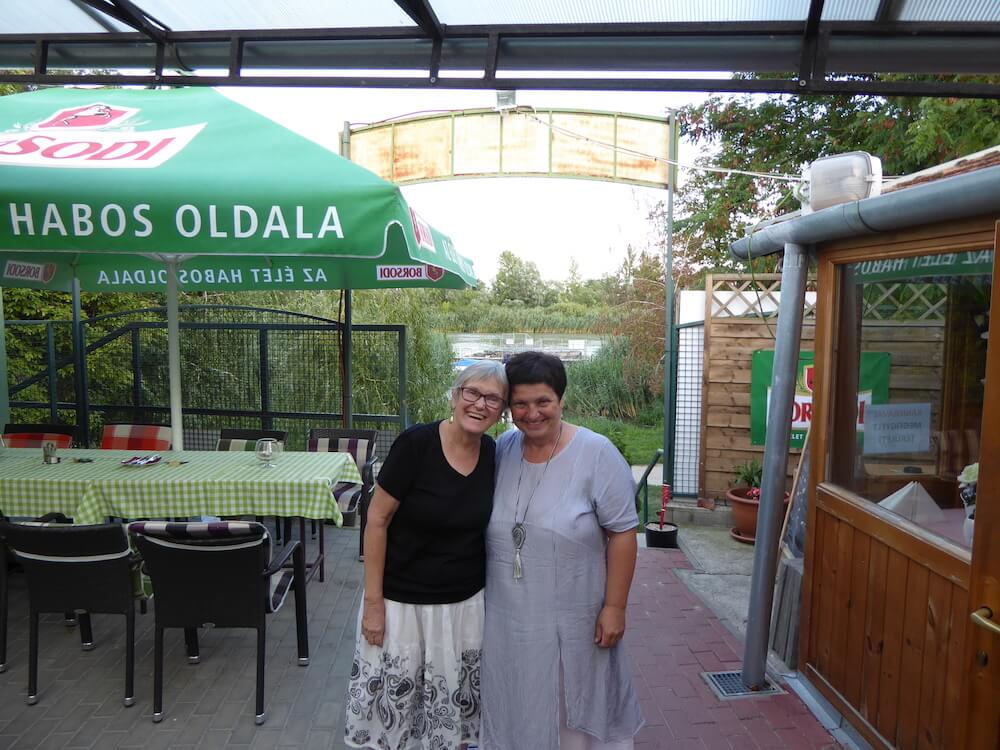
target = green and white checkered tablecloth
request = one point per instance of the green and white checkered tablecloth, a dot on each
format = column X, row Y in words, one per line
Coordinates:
column 215, row 483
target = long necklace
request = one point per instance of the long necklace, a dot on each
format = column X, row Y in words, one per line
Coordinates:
column 518, row 532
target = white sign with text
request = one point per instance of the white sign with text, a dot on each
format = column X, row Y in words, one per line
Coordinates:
column 898, row 428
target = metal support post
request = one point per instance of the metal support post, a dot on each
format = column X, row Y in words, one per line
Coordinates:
column 669, row 365
column 779, row 429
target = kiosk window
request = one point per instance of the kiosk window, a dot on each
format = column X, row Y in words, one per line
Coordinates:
column 909, row 371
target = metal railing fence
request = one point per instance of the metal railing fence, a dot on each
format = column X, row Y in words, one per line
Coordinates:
column 241, row 367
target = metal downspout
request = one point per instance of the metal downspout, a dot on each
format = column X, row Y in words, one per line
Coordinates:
column 779, row 427
column 949, row 199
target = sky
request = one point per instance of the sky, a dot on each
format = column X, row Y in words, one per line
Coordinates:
column 547, row 221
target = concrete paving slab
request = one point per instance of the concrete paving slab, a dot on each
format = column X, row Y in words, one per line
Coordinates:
column 712, row 550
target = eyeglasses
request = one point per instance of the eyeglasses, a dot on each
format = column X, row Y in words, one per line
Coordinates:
column 472, row 396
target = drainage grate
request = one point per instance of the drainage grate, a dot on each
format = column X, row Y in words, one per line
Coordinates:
column 727, row 685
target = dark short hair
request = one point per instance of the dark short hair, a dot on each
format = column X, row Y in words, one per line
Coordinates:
column 529, row 368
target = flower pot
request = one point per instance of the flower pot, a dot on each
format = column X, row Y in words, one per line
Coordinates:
column 969, row 530
column 744, row 514
column 664, row 538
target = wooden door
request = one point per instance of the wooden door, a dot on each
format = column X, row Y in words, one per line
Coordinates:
column 982, row 653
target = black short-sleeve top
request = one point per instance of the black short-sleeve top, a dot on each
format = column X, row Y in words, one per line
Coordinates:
column 436, row 548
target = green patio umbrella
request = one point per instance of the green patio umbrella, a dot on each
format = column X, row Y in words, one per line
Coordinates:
column 185, row 189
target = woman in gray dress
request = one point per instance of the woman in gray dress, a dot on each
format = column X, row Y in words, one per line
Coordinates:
column 560, row 551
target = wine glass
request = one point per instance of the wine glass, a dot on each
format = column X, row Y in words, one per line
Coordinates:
column 265, row 450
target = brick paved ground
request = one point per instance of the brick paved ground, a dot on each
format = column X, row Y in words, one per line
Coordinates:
column 672, row 638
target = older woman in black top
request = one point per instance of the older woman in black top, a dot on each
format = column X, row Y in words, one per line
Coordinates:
column 415, row 679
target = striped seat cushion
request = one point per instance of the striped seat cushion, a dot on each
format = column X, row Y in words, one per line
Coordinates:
column 240, row 444
column 198, row 531
column 359, row 449
column 136, row 437
column 36, row 439
column 348, row 495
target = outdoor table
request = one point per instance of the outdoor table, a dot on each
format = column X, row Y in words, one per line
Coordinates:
column 181, row 484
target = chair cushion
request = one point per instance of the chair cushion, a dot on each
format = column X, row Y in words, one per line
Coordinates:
column 348, row 495
column 280, row 584
column 359, row 449
column 136, row 437
column 36, row 439
column 198, row 531
column 240, row 444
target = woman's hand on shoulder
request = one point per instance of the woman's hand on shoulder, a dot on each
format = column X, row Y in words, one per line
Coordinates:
column 373, row 621
column 610, row 626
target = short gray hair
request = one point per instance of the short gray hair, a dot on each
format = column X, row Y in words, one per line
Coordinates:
column 484, row 369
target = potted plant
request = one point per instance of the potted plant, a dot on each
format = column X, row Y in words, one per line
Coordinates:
column 662, row 533
column 744, row 499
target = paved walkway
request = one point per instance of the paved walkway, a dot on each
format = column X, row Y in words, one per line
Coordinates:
column 672, row 638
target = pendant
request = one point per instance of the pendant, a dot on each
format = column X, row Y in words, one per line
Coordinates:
column 518, row 534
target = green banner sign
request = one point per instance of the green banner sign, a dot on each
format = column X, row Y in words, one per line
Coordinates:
column 104, row 185
column 969, row 263
column 873, row 389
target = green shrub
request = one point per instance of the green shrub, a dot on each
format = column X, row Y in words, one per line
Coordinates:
column 605, row 386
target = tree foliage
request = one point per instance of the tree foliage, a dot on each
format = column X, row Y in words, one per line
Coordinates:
column 519, row 282
column 779, row 134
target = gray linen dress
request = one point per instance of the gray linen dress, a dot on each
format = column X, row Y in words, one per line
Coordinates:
column 545, row 621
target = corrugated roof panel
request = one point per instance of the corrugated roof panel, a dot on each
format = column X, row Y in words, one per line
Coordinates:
column 213, row 15
column 492, row 12
column 850, row 10
column 52, row 17
column 969, row 11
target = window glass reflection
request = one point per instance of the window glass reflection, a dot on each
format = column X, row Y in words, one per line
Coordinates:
column 910, row 367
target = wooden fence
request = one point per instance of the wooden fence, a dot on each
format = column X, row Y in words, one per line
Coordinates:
column 741, row 318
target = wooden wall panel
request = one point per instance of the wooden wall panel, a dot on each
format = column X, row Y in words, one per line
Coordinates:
column 892, row 645
column 914, row 630
column 857, row 606
column 871, row 668
column 885, row 625
column 956, row 668
column 936, row 641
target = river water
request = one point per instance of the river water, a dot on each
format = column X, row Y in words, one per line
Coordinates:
column 496, row 345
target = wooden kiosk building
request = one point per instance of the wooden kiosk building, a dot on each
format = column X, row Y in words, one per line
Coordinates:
column 901, row 590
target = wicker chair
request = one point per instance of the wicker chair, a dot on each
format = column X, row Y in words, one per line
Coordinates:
column 71, row 568
column 220, row 573
column 351, row 498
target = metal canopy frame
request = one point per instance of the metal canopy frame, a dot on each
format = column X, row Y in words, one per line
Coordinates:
column 813, row 56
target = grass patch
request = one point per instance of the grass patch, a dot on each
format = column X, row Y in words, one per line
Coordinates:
column 636, row 442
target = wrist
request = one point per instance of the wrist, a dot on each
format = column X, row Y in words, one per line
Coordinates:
column 618, row 607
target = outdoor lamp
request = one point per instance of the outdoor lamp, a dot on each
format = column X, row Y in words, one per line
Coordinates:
column 506, row 99
column 840, row 179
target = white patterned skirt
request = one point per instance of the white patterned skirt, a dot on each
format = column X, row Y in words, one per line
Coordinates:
column 420, row 690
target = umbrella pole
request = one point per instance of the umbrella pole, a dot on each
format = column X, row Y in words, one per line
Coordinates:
column 348, row 363
column 4, row 385
column 174, row 358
